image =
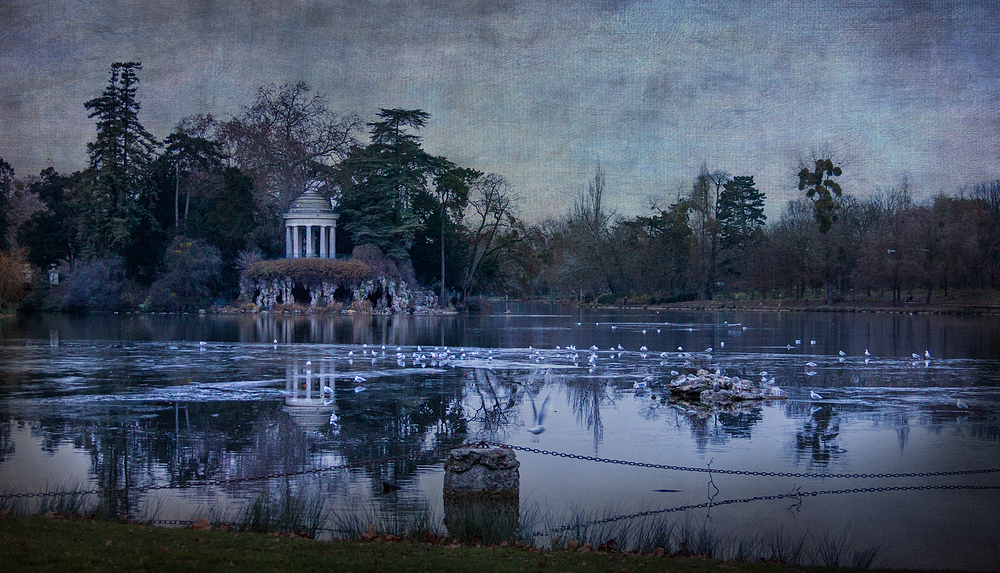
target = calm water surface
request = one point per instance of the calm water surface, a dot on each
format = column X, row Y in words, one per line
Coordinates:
column 109, row 401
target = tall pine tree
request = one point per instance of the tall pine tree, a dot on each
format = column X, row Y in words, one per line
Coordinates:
column 116, row 186
column 6, row 183
column 741, row 211
column 386, row 185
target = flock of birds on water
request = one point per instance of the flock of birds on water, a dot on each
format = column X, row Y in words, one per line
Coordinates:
column 443, row 356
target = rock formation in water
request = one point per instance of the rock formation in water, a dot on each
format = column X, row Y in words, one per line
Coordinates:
column 720, row 389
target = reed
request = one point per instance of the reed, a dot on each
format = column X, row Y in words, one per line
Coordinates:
column 358, row 522
column 282, row 511
column 683, row 537
column 834, row 550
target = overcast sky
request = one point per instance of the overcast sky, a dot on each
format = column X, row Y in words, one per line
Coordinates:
column 540, row 90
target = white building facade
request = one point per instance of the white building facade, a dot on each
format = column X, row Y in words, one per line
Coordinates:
column 310, row 228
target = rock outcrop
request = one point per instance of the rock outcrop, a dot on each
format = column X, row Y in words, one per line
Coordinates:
column 717, row 388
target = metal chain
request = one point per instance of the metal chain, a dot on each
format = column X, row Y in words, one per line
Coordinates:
column 795, row 494
column 738, row 472
column 217, row 482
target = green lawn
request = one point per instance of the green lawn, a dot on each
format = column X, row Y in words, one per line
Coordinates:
column 56, row 544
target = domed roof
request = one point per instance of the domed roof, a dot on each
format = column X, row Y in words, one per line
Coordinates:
column 310, row 203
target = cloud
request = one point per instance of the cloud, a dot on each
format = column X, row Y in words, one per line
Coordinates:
column 539, row 91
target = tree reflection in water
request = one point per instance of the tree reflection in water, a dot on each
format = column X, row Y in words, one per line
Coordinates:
column 499, row 398
column 818, row 436
column 718, row 423
column 586, row 396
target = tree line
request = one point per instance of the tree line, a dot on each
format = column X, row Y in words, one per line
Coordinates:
column 713, row 240
column 170, row 224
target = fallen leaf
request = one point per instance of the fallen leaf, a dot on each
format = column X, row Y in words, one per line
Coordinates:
column 109, row 543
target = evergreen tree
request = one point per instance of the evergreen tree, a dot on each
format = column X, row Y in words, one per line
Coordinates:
column 741, row 211
column 385, row 186
column 116, row 184
column 6, row 183
column 51, row 234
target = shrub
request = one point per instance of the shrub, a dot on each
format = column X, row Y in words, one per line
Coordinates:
column 381, row 265
column 361, row 306
column 608, row 298
column 12, row 279
column 310, row 272
column 95, row 284
column 191, row 267
column 478, row 305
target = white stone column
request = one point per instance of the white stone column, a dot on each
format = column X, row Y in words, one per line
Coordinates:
column 333, row 240
column 324, row 251
column 296, row 244
column 310, row 243
column 288, row 241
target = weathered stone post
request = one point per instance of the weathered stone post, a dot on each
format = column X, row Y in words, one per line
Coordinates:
column 481, row 491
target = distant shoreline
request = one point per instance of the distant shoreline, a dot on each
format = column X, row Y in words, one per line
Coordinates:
column 970, row 303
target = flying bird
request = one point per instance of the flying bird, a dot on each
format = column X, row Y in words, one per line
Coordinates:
column 538, row 415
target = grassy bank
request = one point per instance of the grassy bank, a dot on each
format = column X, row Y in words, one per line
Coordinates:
column 967, row 302
column 56, row 544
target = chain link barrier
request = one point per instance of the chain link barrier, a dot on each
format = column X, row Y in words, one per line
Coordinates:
column 709, row 470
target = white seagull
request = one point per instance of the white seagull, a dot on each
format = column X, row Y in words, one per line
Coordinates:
column 814, row 395
column 538, row 415
column 961, row 405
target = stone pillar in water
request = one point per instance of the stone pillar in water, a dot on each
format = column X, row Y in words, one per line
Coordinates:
column 481, row 489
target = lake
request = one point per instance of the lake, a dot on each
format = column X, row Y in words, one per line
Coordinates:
column 171, row 417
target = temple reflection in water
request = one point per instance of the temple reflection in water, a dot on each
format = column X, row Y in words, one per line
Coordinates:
column 310, row 393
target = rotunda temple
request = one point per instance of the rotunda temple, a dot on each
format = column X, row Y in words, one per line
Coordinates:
column 310, row 228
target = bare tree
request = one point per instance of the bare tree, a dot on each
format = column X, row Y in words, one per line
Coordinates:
column 491, row 203
column 287, row 138
column 590, row 260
